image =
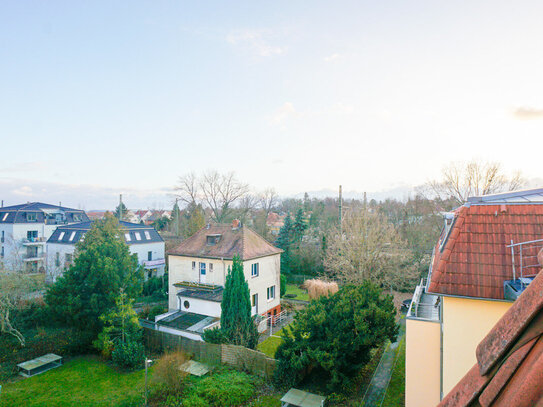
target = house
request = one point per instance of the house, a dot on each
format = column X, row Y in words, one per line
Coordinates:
column 144, row 241
column 275, row 222
column 509, row 366
column 481, row 263
column 25, row 228
column 199, row 265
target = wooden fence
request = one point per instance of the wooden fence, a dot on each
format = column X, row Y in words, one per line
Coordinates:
column 249, row 360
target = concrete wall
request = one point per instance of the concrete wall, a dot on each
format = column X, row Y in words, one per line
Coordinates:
column 422, row 363
column 198, row 306
column 180, row 269
column 465, row 323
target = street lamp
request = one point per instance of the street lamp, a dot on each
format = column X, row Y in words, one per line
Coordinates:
column 147, row 364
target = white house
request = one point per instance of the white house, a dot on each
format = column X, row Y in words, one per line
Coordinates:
column 198, row 267
column 24, row 230
column 144, row 241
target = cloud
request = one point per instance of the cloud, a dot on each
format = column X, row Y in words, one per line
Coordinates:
column 332, row 57
column 25, row 166
column 255, row 41
column 527, row 113
column 283, row 114
column 25, row 190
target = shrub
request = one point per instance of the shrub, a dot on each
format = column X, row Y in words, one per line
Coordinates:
column 215, row 335
column 167, row 372
column 128, row 355
column 283, row 285
column 226, row 389
column 155, row 285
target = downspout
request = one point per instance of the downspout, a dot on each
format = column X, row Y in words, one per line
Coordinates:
column 441, row 348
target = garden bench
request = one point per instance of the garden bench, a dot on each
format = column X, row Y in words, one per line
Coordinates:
column 300, row 398
column 39, row 365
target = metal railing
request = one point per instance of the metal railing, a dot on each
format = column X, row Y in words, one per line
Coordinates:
column 524, row 258
column 423, row 305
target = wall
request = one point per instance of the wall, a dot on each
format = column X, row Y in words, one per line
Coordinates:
column 422, row 363
column 142, row 249
column 198, row 306
column 465, row 323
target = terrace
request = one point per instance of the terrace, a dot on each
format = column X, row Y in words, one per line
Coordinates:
column 424, row 306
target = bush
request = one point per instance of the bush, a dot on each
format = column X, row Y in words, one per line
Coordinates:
column 167, row 372
column 155, row 285
column 215, row 335
column 128, row 355
column 226, row 389
column 283, row 285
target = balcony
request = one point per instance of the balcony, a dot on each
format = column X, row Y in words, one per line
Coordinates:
column 34, row 241
column 525, row 265
column 30, row 257
column 151, row 264
column 424, row 306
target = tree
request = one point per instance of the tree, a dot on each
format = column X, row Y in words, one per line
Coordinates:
column 284, row 240
column 121, row 329
column 237, row 325
column 368, row 248
column 268, row 200
column 175, row 219
column 193, row 219
column 462, row 180
column 14, row 288
column 300, row 225
column 102, row 266
column 333, row 336
column 120, row 211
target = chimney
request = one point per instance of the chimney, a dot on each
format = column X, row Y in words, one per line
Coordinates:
column 236, row 224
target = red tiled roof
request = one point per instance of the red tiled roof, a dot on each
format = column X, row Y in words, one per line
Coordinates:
column 241, row 241
column 509, row 368
column 474, row 261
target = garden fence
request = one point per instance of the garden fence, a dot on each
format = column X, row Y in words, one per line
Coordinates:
column 242, row 358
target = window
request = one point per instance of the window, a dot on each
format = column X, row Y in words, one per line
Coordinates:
column 61, row 236
column 127, row 237
column 68, row 257
column 254, row 270
column 57, row 259
column 271, row 292
column 194, row 265
column 147, row 235
column 211, row 267
column 77, row 217
column 186, row 304
column 5, row 216
column 2, row 252
column 149, row 256
column 3, row 237
column 31, row 217
column 202, row 269
column 138, row 236
column 213, row 239
column 254, row 300
column 72, row 236
column 32, row 235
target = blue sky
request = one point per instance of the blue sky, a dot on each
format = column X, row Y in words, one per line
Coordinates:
column 116, row 97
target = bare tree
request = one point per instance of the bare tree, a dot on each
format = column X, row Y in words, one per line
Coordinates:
column 268, row 200
column 216, row 191
column 14, row 288
column 187, row 190
column 368, row 247
column 462, row 180
column 247, row 204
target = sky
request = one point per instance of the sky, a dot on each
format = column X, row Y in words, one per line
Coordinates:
column 100, row 98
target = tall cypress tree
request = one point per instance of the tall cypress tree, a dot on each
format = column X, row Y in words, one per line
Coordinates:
column 284, row 240
column 237, row 325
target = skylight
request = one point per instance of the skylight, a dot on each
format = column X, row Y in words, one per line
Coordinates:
column 5, row 216
column 127, row 237
column 147, row 235
column 60, row 236
column 138, row 236
column 72, row 236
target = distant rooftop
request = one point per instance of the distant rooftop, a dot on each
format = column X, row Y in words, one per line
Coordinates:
column 39, row 212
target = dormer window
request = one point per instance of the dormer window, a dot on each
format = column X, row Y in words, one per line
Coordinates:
column 77, row 217
column 31, row 217
column 5, row 216
column 213, row 239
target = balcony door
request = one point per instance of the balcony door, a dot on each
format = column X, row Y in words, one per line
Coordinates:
column 203, row 276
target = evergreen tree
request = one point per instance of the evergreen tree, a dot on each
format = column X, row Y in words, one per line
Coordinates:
column 237, row 325
column 194, row 219
column 300, row 225
column 102, row 266
column 175, row 219
column 284, row 241
column 118, row 209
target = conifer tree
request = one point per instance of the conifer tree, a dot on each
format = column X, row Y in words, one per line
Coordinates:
column 237, row 325
column 299, row 225
column 284, row 240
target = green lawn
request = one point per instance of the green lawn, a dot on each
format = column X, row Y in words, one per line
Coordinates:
column 395, row 395
column 85, row 381
column 300, row 294
column 270, row 345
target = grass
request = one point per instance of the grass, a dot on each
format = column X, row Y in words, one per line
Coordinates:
column 270, row 345
column 299, row 293
column 85, row 381
column 395, row 395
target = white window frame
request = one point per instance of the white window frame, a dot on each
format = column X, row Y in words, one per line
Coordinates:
column 147, row 235
column 270, row 293
column 72, row 236
column 255, row 270
column 202, row 267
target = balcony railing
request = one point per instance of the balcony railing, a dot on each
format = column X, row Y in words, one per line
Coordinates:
column 33, row 240
column 524, row 258
column 424, row 305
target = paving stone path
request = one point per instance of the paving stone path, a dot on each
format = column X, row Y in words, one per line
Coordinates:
column 377, row 388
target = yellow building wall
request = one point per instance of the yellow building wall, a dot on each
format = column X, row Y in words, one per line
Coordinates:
column 422, row 363
column 465, row 323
